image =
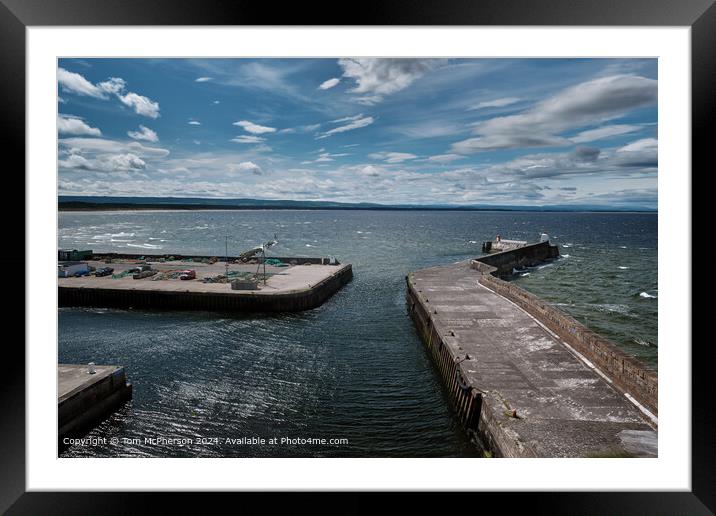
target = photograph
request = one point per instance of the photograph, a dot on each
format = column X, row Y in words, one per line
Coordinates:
column 437, row 248
column 357, row 257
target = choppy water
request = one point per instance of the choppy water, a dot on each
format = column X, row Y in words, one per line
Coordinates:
column 354, row 368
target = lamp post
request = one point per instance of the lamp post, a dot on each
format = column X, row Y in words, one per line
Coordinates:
column 226, row 257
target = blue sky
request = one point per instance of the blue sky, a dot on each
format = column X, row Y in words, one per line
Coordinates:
column 429, row 131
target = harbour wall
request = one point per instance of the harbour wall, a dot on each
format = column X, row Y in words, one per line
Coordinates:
column 82, row 408
column 466, row 400
column 525, row 256
column 296, row 300
column 625, row 372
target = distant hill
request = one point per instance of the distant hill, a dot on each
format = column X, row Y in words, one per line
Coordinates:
column 97, row 203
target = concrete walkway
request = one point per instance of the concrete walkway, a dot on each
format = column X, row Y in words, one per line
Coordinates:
column 564, row 407
column 283, row 279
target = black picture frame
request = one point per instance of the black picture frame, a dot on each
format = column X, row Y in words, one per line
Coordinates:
column 17, row 15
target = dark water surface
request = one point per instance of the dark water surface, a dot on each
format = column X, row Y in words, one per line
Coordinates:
column 352, row 369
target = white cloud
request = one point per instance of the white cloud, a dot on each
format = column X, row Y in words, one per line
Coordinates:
column 642, row 153
column 330, row 83
column 248, row 139
column 445, row 158
column 377, row 77
column 104, row 146
column 356, row 123
column 75, row 83
column 324, row 157
column 507, row 141
column 370, row 170
column 369, row 100
column 202, row 79
column 144, row 133
column 141, row 104
column 245, row 167
column 113, row 85
column 112, row 163
column 431, row 129
column 646, row 144
column 327, row 156
column 588, row 103
column 639, row 159
column 69, row 124
column 604, row 132
column 309, row 128
column 393, row 157
column 539, row 178
column 126, row 162
column 194, row 122
column 254, row 128
column 495, row 103
column 346, row 119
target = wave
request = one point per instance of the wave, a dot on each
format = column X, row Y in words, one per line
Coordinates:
column 643, row 342
column 613, row 307
column 646, row 295
column 145, row 246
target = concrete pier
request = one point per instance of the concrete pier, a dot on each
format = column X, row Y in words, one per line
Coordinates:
column 517, row 384
column 303, row 284
column 494, row 246
column 85, row 399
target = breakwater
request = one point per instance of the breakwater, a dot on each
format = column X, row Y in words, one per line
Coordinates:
column 524, row 379
column 503, row 263
column 625, row 372
column 299, row 284
column 85, row 398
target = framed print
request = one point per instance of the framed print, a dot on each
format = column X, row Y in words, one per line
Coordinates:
column 424, row 249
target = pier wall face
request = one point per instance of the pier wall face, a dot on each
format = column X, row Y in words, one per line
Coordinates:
column 476, row 411
column 466, row 401
column 85, row 408
column 525, row 256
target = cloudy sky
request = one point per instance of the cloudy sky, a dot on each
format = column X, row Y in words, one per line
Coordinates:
column 430, row 131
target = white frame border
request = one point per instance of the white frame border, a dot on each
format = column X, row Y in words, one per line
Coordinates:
column 670, row 471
